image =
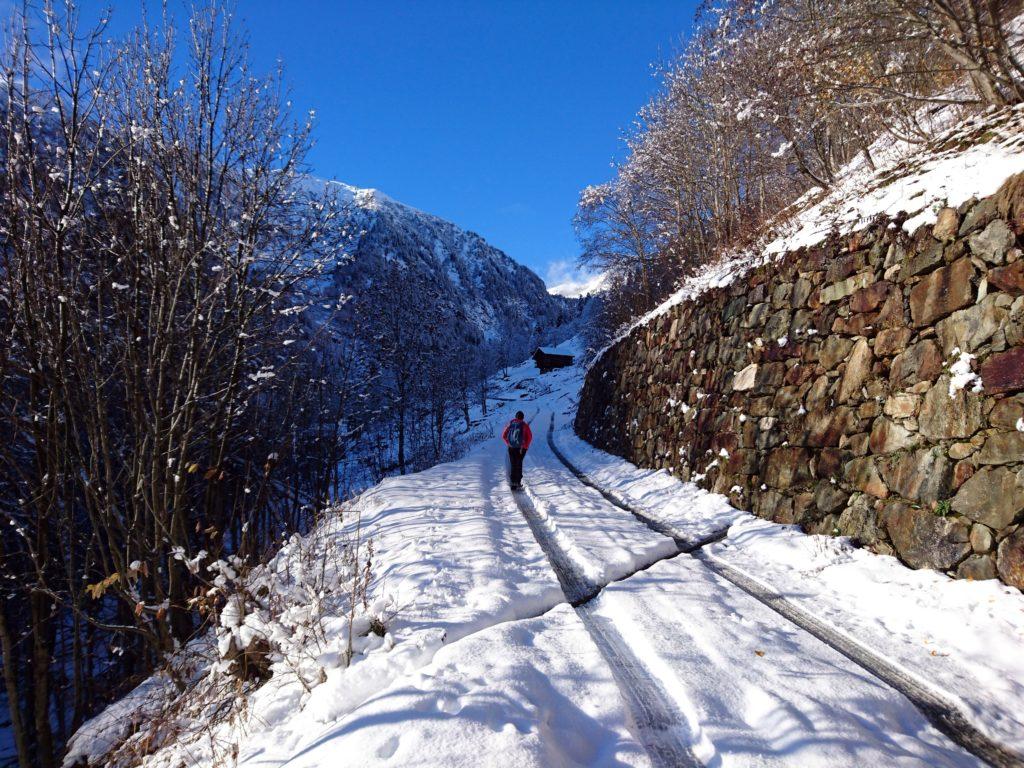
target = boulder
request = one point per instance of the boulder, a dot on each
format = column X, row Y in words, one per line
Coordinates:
column 977, row 568
column 869, row 409
column 920, row 362
column 843, row 288
column 891, row 341
column 786, row 467
column 742, row 461
column 745, row 379
column 801, row 292
column 959, row 451
column 962, row 472
column 1003, row 372
column 855, row 325
column 925, row 540
column 946, row 225
column 870, row 298
column 891, row 314
column 902, row 405
column 1002, row 448
column 942, row 292
column 1010, row 559
column 860, row 522
column 755, row 318
column 839, row 266
column 781, row 294
column 857, row 444
column 1009, row 202
column 826, row 426
column 858, row 367
column 1009, row 278
column 829, row 462
column 833, row 351
column 923, row 475
column 829, row 497
column 924, row 259
column 770, row 376
column 1007, row 413
column 863, row 475
column 888, row 436
column 978, row 215
column 944, row 416
column 981, row 538
column 993, row 496
column 819, row 391
column 1014, row 331
column 777, row 325
column 992, row 243
column 967, row 329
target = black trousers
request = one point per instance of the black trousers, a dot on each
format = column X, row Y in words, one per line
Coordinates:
column 515, row 457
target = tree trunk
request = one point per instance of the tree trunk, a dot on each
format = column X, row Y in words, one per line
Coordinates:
column 13, row 694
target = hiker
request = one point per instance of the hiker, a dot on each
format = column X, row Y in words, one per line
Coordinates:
column 517, row 437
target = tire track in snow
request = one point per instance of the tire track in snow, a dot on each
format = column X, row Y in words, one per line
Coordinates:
column 941, row 712
column 577, row 587
column 684, row 544
column 658, row 723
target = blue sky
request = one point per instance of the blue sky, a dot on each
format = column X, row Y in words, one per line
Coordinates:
column 490, row 114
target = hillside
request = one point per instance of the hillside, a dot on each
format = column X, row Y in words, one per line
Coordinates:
column 489, row 297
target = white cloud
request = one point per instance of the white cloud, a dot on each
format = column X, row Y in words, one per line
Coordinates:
column 564, row 278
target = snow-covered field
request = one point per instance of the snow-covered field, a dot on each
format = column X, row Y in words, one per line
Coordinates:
column 483, row 663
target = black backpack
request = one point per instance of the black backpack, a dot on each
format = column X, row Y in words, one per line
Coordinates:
column 515, row 433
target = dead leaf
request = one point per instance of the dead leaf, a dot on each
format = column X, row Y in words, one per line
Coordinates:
column 98, row 589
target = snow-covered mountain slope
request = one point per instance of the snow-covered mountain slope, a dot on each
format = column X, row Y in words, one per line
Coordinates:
column 491, row 295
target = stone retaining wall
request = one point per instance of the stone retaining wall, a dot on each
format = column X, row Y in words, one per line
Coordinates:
column 872, row 386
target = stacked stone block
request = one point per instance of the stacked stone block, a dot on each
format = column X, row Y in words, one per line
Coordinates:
column 871, row 386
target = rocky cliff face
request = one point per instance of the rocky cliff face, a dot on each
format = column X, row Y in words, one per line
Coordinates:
column 488, row 296
column 872, row 386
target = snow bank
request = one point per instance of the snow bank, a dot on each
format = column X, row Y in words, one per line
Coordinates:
column 451, row 556
column 972, row 160
column 688, row 508
column 530, row 693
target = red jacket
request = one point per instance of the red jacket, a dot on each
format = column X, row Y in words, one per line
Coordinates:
column 527, row 434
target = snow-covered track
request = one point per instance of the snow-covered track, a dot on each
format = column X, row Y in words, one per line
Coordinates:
column 577, row 587
column 657, row 721
column 943, row 714
column 685, row 544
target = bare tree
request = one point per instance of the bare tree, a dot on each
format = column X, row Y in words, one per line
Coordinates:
column 770, row 99
column 156, row 232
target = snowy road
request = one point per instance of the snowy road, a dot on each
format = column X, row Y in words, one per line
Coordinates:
column 718, row 671
column 611, row 615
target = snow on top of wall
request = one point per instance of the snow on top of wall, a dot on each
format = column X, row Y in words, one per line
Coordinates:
column 972, row 160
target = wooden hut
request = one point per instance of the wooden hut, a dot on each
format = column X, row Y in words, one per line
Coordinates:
column 549, row 358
